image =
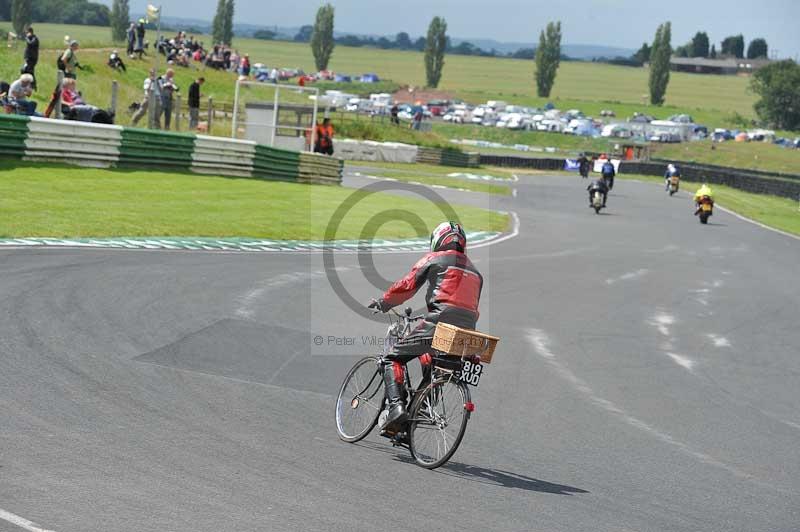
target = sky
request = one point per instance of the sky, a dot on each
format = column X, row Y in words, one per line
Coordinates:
column 619, row 23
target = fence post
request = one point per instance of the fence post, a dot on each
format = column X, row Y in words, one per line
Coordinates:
column 114, row 93
column 60, row 78
column 210, row 113
column 178, row 113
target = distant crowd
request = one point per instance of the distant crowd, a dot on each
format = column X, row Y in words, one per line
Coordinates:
column 182, row 50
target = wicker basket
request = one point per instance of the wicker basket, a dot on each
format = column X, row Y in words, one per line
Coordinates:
column 463, row 342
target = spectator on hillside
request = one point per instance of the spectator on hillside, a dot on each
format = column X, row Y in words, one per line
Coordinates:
column 395, row 111
column 18, row 94
column 167, row 89
column 417, row 123
column 130, row 37
column 244, row 67
column 68, row 62
column 150, row 86
column 31, row 55
column 69, row 93
column 115, row 62
column 194, row 103
column 140, row 32
column 324, row 138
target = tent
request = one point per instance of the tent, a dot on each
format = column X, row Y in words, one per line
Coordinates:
column 370, row 78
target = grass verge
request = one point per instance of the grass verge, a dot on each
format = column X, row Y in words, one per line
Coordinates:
column 774, row 211
column 70, row 202
column 440, row 175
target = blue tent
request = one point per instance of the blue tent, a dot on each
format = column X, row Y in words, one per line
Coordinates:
column 370, row 78
column 342, row 78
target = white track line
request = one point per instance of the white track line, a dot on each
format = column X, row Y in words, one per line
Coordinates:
column 746, row 219
column 21, row 522
column 514, row 232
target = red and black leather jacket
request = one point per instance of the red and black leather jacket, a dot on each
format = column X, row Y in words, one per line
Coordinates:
column 454, row 288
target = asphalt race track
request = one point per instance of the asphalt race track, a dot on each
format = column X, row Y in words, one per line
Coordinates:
column 648, row 379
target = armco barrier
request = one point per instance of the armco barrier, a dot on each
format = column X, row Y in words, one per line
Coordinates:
column 513, row 161
column 215, row 155
column 447, row 157
column 319, row 169
column 274, row 163
column 368, row 150
column 97, row 145
column 94, row 145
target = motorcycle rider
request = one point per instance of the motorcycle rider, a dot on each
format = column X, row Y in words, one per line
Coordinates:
column 608, row 173
column 672, row 170
column 454, row 291
column 583, row 165
column 703, row 193
column 601, row 185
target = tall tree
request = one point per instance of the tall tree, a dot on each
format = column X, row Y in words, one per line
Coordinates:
column 435, row 46
column 643, row 55
column 757, row 49
column 713, row 53
column 120, row 18
column 403, row 41
column 733, row 45
column 322, row 38
column 218, row 25
column 777, row 85
column 700, row 44
column 548, row 58
column 20, row 15
column 227, row 23
column 660, row 54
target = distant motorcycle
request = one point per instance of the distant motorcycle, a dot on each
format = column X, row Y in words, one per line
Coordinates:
column 705, row 208
column 597, row 201
column 674, row 182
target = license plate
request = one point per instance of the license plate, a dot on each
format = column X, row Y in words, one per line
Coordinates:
column 706, row 207
column 471, row 374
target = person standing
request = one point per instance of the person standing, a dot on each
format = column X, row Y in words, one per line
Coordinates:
column 130, row 36
column 194, row 102
column 168, row 88
column 324, row 140
column 395, row 111
column 31, row 55
column 68, row 62
column 150, row 85
column 140, row 31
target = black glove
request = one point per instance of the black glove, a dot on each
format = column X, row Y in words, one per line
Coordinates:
column 378, row 305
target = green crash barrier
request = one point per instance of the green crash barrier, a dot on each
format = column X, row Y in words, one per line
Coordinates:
column 162, row 150
column 13, row 133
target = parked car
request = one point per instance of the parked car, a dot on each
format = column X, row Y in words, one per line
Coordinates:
column 665, row 137
column 438, row 107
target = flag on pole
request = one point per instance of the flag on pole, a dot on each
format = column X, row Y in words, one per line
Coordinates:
column 153, row 12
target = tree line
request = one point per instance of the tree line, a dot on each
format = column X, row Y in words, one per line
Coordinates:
column 401, row 41
column 22, row 13
column 700, row 46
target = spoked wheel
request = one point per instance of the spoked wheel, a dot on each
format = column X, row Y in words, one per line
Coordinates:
column 438, row 419
column 360, row 400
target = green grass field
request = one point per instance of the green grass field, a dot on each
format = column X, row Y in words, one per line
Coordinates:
column 755, row 155
column 61, row 201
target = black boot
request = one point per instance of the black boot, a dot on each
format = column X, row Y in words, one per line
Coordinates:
column 395, row 393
